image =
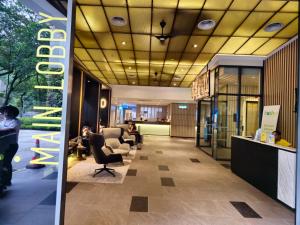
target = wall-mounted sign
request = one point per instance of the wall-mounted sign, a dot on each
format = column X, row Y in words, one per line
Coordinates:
column 182, row 106
column 200, row 88
column 269, row 121
column 103, row 103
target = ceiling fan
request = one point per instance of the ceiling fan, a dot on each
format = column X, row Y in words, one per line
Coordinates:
column 163, row 37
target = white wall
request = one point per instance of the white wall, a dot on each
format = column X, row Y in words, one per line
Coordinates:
column 171, row 94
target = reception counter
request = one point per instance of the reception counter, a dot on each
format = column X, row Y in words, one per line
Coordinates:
column 270, row 168
column 153, row 128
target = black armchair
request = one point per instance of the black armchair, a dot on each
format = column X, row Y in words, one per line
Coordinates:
column 96, row 143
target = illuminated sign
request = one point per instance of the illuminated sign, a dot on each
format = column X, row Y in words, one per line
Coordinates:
column 103, row 103
column 200, row 87
column 182, row 107
column 44, row 69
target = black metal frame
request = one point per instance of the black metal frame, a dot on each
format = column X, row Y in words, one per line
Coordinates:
column 239, row 95
column 100, row 170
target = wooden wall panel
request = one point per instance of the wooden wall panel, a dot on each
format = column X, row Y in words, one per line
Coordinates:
column 183, row 121
column 280, row 83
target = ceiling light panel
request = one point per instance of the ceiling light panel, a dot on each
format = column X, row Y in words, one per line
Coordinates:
column 214, row 44
column 290, row 31
column 184, row 22
column 112, row 55
column 165, row 4
column 251, row 45
column 114, row 3
column 172, row 58
column 103, row 66
column 142, row 57
column 116, row 67
column 89, row 2
column 127, row 56
column 230, row 21
column 162, row 14
column 203, row 59
column 120, row 37
column 139, row 3
column 196, row 40
column 233, row 44
column 141, row 42
column 90, row 65
column 195, row 70
column 189, row 78
column 124, row 82
column 291, row 6
column 93, row 15
column 217, row 4
column 270, row 6
column 244, row 5
column 169, row 69
column 205, row 15
column 140, row 20
column 157, row 46
column 157, row 57
column 178, row 43
column 77, row 44
column 97, row 55
column 188, row 58
column 270, row 46
column 254, row 21
column 87, row 39
column 182, row 70
column 82, row 54
column 119, row 12
column 105, row 40
column 80, row 23
column 190, row 4
column 185, row 84
column 283, row 18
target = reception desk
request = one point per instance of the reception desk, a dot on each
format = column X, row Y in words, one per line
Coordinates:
column 270, row 168
column 153, row 128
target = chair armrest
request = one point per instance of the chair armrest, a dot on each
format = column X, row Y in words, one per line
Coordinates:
column 108, row 149
column 125, row 146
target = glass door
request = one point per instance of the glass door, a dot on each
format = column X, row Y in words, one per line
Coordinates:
column 205, row 126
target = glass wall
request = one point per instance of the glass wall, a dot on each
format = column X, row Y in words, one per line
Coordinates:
column 234, row 109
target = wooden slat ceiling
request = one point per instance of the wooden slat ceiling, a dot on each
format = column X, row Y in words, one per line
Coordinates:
column 239, row 30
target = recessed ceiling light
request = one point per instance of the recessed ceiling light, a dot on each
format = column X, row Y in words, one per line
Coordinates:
column 133, row 82
column 118, row 21
column 206, row 24
column 174, row 84
column 172, row 59
column 273, row 27
column 123, row 42
column 195, row 46
column 129, row 67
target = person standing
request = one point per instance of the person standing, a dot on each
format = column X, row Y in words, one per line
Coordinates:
column 9, row 131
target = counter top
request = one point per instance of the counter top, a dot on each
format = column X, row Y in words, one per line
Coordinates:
column 289, row 149
column 151, row 122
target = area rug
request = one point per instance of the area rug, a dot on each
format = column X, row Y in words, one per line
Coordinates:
column 83, row 171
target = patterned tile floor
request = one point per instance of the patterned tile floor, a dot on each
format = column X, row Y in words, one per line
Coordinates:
column 204, row 193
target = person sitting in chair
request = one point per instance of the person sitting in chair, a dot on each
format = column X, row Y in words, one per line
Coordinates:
column 279, row 140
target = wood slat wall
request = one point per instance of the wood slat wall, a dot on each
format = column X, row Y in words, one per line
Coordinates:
column 280, row 82
column 183, row 121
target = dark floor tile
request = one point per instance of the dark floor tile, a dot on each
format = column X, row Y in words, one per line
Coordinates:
column 50, row 200
column 195, row 160
column 131, row 172
column 167, row 181
column 139, row 204
column 159, row 152
column 52, row 176
column 245, row 210
column 142, row 157
column 227, row 166
column 163, row 168
column 70, row 186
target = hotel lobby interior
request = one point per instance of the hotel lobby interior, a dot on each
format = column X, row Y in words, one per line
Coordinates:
column 167, row 99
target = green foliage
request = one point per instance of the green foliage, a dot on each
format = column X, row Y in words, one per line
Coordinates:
column 26, row 123
column 18, row 43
